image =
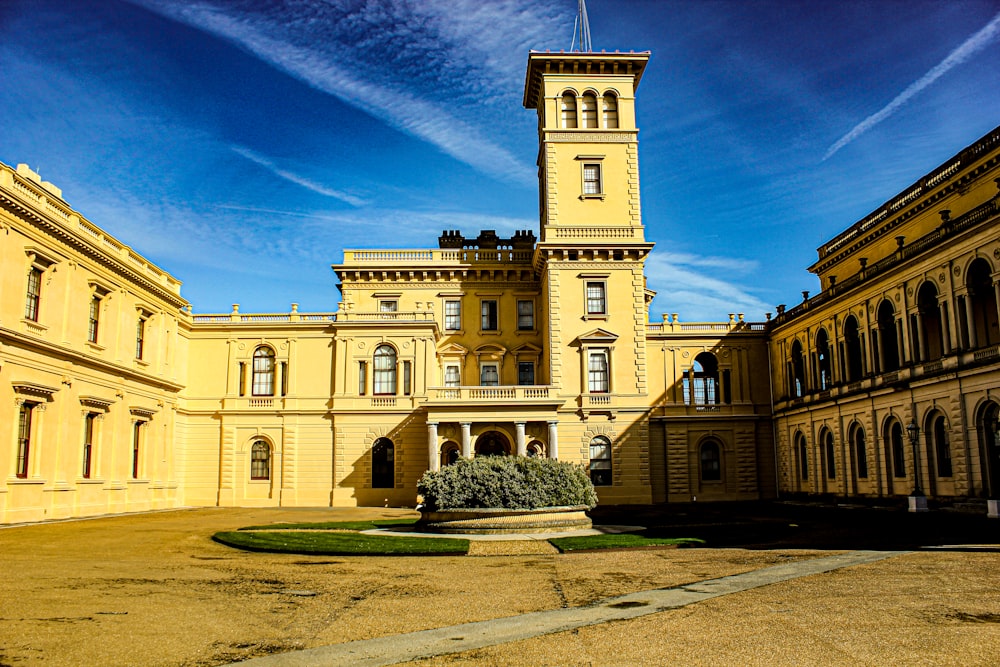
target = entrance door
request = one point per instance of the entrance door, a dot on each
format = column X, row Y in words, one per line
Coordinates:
column 492, row 443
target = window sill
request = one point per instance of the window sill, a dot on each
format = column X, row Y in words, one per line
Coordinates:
column 260, row 482
column 33, row 327
column 89, row 480
column 490, row 332
column 454, row 332
column 141, row 363
column 526, row 332
column 26, row 481
column 94, row 347
column 137, row 481
column 600, row 196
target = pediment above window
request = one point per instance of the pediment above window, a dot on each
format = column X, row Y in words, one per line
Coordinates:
column 453, row 350
column 597, row 336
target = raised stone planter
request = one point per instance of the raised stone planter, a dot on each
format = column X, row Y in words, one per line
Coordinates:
column 504, row 521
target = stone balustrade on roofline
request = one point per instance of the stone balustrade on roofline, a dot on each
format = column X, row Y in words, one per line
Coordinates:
column 436, row 256
column 236, row 317
column 45, row 197
column 736, row 324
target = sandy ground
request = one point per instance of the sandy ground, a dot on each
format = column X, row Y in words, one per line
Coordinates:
column 153, row 589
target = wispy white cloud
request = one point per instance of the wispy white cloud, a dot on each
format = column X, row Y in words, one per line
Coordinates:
column 256, row 158
column 292, row 43
column 684, row 287
column 965, row 50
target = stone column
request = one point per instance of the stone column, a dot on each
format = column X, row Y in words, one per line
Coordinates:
column 553, row 440
column 880, row 357
column 921, row 339
column 433, row 459
column 970, row 322
column 522, row 445
column 466, row 440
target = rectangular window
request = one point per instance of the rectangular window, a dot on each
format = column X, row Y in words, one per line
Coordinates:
column 407, row 381
column 600, row 461
column 24, row 438
column 489, row 375
column 592, row 179
column 452, row 315
column 388, row 307
column 452, row 377
column 597, row 372
column 95, row 318
column 525, row 315
column 140, row 336
column 243, row 378
column 136, row 440
column 362, row 377
column 526, row 373
column 489, row 311
column 284, row 378
column 88, row 443
column 34, row 295
column 596, row 302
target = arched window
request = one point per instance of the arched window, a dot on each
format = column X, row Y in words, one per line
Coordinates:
column 711, row 461
column 823, row 366
column 852, row 349
column 797, row 370
column 263, row 371
column 830, row 455
column 260, row 460
column 383, row 464
column 536, row 449
column 887, row 341
column 897, row 451
column 803, row 453
column 937, row 429
column 610, row 105
column 449, row 453
column 589, row 110
column 568, row 110
column 929, row 330
column 983, row 303
column 988, row 427
column 705, row 380
column 600, row 461
column 860, row 452
column 385, row 370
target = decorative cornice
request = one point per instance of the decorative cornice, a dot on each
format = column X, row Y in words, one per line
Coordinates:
column 34, row 389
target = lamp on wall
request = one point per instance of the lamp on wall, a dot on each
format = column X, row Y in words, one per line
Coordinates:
column 918, row 501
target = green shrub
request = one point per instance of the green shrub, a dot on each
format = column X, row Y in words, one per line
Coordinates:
column 507, row 482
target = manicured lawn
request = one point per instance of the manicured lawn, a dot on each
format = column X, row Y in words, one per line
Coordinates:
column 340, row 544
column 336, row 525
column 620, row 541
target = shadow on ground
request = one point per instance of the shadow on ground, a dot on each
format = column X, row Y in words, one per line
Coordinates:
column 810, row 525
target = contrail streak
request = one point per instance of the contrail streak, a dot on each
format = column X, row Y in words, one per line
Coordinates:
column 966, row 50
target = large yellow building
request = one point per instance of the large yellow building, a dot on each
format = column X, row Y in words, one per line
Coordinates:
column 122, row 399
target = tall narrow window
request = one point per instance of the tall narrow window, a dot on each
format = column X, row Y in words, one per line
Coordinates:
column 942, row 450
column 452, row 315
column 489, row 375
column 94, row 319
column 489, row 312
column 385, row 371
column 243, row 378
column 525, row 372
column 136, row 443
column 589, row 110
column 860, row 453
column 260, row 460
column 88, row 443
column 140, row 336
column 362, row 377
column 898, row 451
column 592, row 179
column 831, row 456
column 597, row 372
column 24, row 438
column 803, row 453
column 823, row 366
column 34, row 294
column 600, row 461
column 852, row 343
column 705, row 376
column 525, row 315
column 284, row 378
column 263, row 372
column 711, row 462
column 610, row 103
column 452, row 377
column 798, row 370
column 568, row 110
column 596, row 303
column 407, row 380
column 383, row 464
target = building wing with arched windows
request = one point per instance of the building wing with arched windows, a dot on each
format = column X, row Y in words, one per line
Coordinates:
column 119, row 398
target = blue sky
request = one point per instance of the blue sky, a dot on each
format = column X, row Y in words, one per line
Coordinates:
column 241, row 144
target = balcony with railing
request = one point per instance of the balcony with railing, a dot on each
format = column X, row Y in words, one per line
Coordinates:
column 236, row 317
column 362, row 259
column 509, row 394
column 672, row 325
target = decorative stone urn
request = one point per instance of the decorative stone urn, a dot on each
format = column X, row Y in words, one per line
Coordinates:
column 491, row 521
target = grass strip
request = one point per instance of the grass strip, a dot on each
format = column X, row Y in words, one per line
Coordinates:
column 340, row 544
column 335, row 525
column 619, row 541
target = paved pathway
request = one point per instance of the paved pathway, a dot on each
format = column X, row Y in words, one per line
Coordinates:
column 467, row 636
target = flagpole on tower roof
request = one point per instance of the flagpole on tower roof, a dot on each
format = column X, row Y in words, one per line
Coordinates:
column 581, row 28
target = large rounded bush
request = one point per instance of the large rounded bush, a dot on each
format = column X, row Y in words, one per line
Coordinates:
column 507, row 482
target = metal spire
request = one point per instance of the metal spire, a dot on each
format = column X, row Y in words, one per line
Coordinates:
column 581, row 28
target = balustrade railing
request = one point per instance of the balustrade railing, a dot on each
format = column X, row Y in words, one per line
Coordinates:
column 504, row 393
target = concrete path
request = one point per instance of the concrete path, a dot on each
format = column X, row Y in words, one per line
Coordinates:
column 468, row 636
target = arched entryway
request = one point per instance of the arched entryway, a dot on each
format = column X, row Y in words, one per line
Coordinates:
column 492, row 443
column 989, row 447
